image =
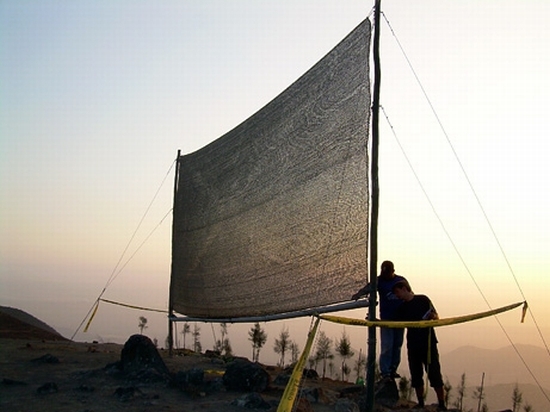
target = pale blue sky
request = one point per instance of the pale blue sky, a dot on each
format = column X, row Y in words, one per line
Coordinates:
column 97, row 97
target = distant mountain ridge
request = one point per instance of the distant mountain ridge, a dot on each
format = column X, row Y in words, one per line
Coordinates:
column 18, row 324
column 503, row 369
column 501, row 366
column 499, row 397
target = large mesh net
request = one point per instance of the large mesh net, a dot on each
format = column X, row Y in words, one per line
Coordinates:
column 272, row 216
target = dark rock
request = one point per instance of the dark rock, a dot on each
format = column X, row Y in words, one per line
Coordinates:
column 252, row 401
column 311, row 394
column 213, row 386
column 49, row 387
column 149, row 375
column 12, row 382
column 212, row 353
column 303, row 405
column 113, row 368
column 85, row 388
column 139, row 359
column 243, row 375
column 346, row 405
column 386, row 392
column 281, row 379
column 191, row 377
column 47, row 358
column 310, row 374
column 127, row 393
column 351, row 390
column 306, row 373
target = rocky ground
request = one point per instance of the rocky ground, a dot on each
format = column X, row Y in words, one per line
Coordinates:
column 43, row 371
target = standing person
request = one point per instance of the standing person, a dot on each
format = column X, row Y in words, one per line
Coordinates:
column 391, row 339
column 421, row 342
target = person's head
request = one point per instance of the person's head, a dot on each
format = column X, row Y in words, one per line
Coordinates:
column 402, row 290
column 387, row 270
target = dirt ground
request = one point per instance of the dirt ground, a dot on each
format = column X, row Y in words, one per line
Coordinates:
column 80, row 382
column 42, row 371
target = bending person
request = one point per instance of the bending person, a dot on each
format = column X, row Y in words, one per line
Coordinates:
column 421, row 342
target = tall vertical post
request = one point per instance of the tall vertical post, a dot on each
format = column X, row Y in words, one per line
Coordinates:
column 373, row 262
column 170, row 306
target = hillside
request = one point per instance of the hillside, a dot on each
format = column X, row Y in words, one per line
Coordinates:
column 17, row 324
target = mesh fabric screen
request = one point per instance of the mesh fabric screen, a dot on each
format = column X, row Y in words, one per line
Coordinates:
column 272, row 216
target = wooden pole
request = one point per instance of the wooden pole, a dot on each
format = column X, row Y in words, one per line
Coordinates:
column 373, row 237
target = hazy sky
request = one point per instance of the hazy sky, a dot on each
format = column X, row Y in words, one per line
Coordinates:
column 97, row 97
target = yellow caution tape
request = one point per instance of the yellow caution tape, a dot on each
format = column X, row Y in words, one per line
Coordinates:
column 133, row 306
column 214, row 372
column 92, row 316
column 421, row 323
column 119, row 304
column 289, row 395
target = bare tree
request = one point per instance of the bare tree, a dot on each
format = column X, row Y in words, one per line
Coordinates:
column 447, row 387
column 345, row 371
column 223, row 346
column 517, row 399
column 186, row 330
column 282, row 345
column 405, row 388
column 258, row 337
column 343, row 347
column 359, row 366
column 460, row 390
column 312, row 362
column 331, row 367
column 479, row 394
column 323, row 351
column 142, row 324
column 197, row 347
column 294, row 352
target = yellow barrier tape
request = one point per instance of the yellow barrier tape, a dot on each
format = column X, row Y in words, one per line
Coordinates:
column 421, row 323
column 524, row 312
column 92, row 316
column 214, row 372
column 289, row 395
column 133, row 306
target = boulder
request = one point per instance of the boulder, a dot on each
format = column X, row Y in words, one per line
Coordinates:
column 346, row 405
column 310, row 374
column 251, row 401
column 246, row 376
column 190, row 378
column 311, row 394
column 140, row 359
column 303, row 405
column 386, row 392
